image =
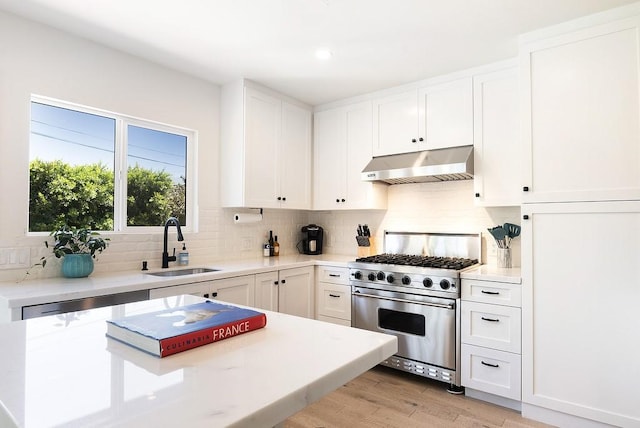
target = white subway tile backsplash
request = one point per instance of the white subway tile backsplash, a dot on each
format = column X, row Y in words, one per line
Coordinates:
column 426, row 207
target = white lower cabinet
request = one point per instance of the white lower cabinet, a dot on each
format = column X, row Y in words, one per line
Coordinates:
column 289, row 291
column 488, row 370
column 491, row 334
column 239, row 290
column 201, row 289
column 333, row 295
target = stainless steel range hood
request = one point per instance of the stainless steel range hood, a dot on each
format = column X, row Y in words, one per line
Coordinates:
column 455, row 163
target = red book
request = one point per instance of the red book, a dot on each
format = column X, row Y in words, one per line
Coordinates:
column 174, row 330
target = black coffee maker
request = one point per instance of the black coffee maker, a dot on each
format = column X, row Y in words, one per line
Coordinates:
column 312, row 239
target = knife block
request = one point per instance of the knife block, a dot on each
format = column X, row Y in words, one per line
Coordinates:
column 368, row 251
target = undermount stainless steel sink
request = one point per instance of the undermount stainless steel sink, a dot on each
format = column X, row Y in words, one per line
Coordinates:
column 180, row 272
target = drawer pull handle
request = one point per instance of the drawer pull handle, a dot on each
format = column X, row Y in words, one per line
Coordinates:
column 490, row 319
column 333, row 295
column 490, row 365
column 334, row 275
column 493, row 293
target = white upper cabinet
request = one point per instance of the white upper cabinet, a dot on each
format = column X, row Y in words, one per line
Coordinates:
column 395, row 124
column 446, row 114
column 497, row 148
column 342, row 148
column 581, row 111
column 265, row 149
column 432, row 117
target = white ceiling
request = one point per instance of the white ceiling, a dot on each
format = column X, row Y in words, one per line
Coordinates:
column 376, row 44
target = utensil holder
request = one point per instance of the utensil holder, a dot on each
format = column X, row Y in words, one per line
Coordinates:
column 504, row 257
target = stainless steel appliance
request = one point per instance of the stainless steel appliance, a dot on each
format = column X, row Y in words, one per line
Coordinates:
column 412, row 291
column 312, row 237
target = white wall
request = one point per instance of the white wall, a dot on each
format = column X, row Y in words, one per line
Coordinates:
column 35, row 59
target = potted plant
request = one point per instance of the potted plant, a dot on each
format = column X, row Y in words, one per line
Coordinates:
column 78, row 247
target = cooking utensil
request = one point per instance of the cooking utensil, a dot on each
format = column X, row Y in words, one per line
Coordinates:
column 366, row 230
column 512, row 230
column 499, row 235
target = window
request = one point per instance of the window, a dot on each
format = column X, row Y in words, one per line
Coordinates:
column 105, row 171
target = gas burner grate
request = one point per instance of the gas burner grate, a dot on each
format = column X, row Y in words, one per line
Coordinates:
column 455, row 263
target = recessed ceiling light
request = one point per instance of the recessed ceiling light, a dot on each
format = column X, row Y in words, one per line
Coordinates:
column 323, row 54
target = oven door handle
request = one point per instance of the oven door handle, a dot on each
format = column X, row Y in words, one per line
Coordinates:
column 393, row 299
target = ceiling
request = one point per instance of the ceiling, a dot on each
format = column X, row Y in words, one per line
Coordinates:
column 375, row 44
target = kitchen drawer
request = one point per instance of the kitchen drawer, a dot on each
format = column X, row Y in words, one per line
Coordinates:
column 498, row 293
column 492, row 326
column 339, row 321
column 488, row 370
column 332, row 274
column 333, row 300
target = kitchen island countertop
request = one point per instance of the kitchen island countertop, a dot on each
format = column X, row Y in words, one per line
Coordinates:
column 62, row 370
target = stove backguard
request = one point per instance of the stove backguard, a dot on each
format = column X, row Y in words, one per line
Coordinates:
column 467, row 245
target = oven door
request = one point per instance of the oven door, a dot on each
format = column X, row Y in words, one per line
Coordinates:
column 425, row 326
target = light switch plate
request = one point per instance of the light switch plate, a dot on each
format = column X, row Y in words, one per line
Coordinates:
column 15, row 258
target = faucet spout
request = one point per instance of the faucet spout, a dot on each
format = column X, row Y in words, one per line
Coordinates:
column 166, row 258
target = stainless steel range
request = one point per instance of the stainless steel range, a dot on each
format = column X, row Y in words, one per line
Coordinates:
column 412, row 291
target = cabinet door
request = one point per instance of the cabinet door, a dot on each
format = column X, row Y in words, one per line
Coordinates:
column 497, row 177
column 330, row 159
column 295, row 292
column 266, row 296
column 395, row 124
column 294, row 158
column 359, row 145
column 580, row 299
column 262, row 136
column 201, row 289
column 581, row 115
column 446, row 114
column 240, row 290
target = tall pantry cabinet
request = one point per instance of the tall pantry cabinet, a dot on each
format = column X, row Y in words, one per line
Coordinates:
column 581, row 220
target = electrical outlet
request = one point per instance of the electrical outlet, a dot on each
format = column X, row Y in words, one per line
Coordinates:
column 246, row 244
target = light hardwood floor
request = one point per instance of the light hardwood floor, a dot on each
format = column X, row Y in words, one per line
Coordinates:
column 383, row 397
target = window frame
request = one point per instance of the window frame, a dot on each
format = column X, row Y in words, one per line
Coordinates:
column 122, row 121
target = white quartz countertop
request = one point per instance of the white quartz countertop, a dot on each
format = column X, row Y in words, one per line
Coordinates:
column 33, row 292
column 493, row 273
column 62, row 370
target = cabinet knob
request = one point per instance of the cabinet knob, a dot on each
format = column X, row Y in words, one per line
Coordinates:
column 525, row 189
column 284, row 198
column 343, row 200
column 421, row 139
column 214, row 294
column 279, row 198
column 477, row 195
column 275, row 282
column 283, row 281
column 525, row 217
column 413, row 140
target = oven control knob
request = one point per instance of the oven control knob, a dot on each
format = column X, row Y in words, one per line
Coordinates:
column 357, row 275
column 427, row 282
column 371, row 276
column 406, row 280
column 390, row 279
column 445, row 284
column 380, row 276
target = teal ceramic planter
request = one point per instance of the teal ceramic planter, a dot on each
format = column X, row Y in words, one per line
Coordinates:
column 77, row 265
